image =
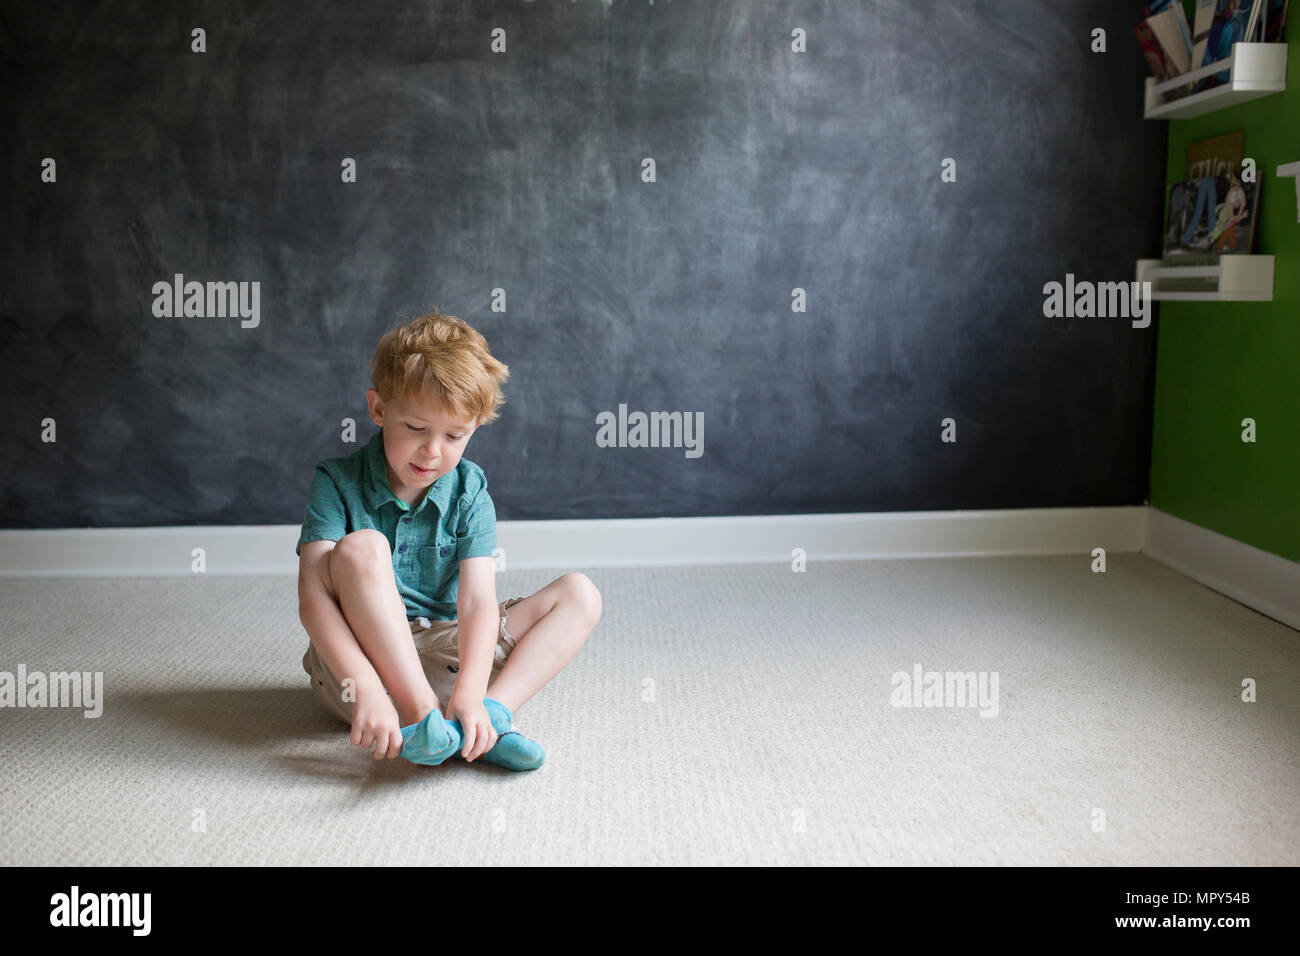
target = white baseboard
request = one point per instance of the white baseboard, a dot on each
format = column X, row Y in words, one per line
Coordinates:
column 657, row 542
column 602, row 543
column 1266, row 582
column 1263, row 581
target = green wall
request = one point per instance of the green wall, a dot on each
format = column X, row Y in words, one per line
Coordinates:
column 1220, row 362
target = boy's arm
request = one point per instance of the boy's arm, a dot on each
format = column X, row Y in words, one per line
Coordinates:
column 476, row 596
column 478, row 622
column 324, row 622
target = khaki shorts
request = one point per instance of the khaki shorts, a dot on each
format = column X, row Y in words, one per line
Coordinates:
column 435, row 642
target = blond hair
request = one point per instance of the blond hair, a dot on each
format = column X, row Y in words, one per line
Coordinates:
column 443, row 358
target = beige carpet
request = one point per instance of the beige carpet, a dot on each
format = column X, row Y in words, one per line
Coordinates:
column 769, row 738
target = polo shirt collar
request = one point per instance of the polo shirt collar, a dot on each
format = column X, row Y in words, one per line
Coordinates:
column 379, row 491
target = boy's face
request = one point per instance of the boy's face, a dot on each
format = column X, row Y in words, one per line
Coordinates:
column 418, row 435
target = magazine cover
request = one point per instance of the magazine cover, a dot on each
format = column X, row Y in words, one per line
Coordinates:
column 1209, row 217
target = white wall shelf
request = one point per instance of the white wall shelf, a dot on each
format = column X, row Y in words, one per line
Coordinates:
column 1254, row 70
column 1292, row 169
column 1236, row 278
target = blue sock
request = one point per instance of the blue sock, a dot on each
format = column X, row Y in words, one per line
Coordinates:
column 512, row 750
column 431, row 740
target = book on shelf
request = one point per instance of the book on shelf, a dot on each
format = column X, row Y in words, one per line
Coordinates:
column 1170, row 27
column 1275, row 21
column 1160, row 67
column 1166, row 44
column 1209, row 217
column 1220, row 24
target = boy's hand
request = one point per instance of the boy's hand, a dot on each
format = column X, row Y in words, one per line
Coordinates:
column 374, row 721
column 475, row 724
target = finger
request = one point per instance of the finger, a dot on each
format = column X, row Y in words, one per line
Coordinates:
column 478, row 737
column 477, row 748
column 366, row 740
column 471, row 732
column 484, row 743
column 394, row 744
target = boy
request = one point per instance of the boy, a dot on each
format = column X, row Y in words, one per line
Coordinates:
column 396, row 579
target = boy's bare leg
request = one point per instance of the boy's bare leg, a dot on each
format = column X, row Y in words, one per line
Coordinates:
column 361, row 566
column 549, row 628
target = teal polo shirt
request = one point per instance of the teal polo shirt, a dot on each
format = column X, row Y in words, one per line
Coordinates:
column 454, row 520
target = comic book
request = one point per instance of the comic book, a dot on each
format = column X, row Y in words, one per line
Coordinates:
column 1210, row 217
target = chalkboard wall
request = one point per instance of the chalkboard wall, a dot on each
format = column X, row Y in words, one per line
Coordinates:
column 525, row 170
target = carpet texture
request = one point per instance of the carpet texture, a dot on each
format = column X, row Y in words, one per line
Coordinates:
column 722, row 715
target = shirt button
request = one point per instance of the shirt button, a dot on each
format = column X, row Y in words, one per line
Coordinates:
column 444, row 552
column 401, row 549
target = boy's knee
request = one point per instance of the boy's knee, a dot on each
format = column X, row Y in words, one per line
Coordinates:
column 584, row 592
column 365, row 548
